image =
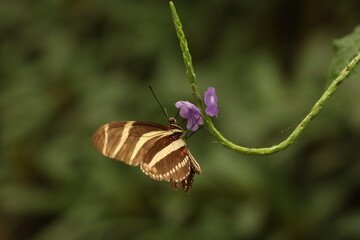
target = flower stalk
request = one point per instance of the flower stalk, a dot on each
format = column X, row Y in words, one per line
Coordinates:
column 208, row 122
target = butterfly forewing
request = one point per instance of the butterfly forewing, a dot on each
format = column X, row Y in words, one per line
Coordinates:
column 124, row 141
column 160, row 151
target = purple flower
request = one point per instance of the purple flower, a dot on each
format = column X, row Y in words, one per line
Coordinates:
column 211, row 99
column 191, row 113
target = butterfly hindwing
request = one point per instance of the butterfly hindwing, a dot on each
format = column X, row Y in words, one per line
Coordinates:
column 167, row 160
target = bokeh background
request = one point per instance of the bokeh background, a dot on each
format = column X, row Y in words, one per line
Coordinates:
column 69, row 66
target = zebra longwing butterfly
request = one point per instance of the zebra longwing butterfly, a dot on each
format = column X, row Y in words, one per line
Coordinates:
column 160, row 150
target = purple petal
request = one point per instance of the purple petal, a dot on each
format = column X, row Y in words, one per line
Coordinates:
column 184, row 108
column 212, row 111
column 211, row 100
column 193, row 124
column 194, row 120
column 190, row 112
column 210, row 97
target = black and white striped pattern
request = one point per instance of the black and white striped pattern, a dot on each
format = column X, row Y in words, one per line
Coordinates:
column 159, row 150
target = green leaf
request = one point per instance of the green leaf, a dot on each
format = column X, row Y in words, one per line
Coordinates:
column 344, row 50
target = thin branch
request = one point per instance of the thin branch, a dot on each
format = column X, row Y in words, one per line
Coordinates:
column 208, row 122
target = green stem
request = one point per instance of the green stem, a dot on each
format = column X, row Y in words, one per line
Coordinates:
column 208, row 122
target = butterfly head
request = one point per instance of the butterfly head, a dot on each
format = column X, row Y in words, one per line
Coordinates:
column 172, row 121
column 178, row 131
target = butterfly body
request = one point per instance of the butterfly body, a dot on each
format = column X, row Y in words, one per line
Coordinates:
column 160, row 150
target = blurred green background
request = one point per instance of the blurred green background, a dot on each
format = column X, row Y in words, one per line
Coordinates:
column 67, row 67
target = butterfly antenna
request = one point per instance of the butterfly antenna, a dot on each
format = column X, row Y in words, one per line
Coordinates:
column 177, row 115
column 162, row 108
column 188, row 136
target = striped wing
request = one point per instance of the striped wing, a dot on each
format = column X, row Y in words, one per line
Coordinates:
column 127, row 141
column 160, row 152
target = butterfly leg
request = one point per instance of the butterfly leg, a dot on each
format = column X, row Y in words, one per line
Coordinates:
column 188, row 136
column 177, row 115
column 174, row 184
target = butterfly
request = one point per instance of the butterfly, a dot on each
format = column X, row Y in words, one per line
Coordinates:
column 160, row 150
